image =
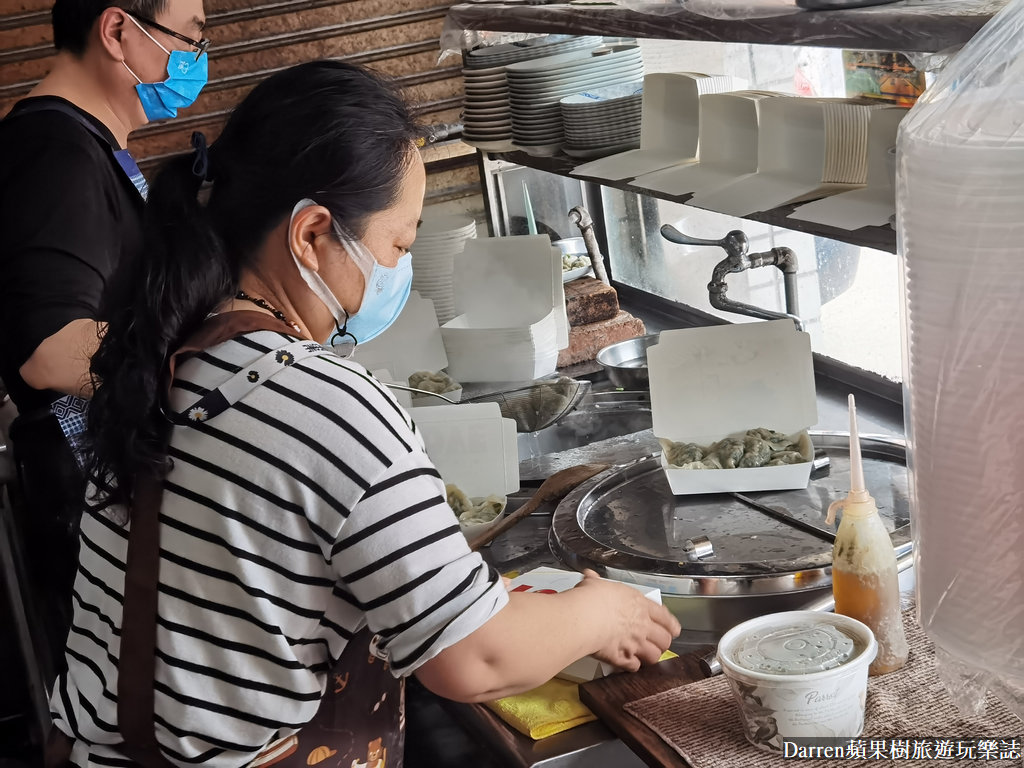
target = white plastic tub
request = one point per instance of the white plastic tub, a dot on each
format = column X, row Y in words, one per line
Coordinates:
column 823, row 692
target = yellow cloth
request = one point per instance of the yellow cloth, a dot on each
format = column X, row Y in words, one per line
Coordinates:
column 548, row 709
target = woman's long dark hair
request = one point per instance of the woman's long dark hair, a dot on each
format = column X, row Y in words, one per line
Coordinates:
column 329, row 131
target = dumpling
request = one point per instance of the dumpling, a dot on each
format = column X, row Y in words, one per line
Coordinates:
column 468, row 510
column 729, row 452
column 429, row 381
column 678, row 454
column 756, row 452
column 777, row 440
column 786, row 457
column 694, row 465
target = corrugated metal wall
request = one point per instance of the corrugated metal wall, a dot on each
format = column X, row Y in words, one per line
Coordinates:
column 251, row 39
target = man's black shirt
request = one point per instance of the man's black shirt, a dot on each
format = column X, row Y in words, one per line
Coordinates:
column 68, row 215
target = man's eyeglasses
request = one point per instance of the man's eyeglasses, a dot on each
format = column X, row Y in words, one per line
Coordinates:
column 199, row 45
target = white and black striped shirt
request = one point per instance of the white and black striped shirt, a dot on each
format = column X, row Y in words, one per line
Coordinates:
column 289, row 521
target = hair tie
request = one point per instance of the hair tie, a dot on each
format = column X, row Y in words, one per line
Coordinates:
column 201, row 159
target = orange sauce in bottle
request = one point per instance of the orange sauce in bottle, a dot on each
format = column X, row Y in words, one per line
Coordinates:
column 867, row 598
column 865, row 583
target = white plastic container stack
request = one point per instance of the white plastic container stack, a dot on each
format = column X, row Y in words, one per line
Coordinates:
column 959, row 198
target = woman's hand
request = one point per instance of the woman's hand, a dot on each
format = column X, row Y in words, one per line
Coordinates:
column 637, row 630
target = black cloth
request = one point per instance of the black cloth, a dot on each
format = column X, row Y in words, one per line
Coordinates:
column 68, row 216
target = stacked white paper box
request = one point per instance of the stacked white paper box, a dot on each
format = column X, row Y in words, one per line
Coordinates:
column 472, row 446
column 728, row 146
column 875, row 204
column 806, row 148
column 670, row 126
column 511, row 322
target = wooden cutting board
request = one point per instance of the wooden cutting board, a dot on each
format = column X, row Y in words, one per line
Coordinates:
column 606, row 697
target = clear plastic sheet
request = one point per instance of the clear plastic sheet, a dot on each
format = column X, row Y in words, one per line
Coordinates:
column 908, row 26
column 960, row 193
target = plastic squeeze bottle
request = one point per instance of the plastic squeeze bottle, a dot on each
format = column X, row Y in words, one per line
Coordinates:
column 864, row 578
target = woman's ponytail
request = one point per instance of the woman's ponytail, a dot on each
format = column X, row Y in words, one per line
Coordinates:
column 154, row 304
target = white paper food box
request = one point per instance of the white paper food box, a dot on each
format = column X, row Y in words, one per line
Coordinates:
column 719, row 381
column 472, row 446
column 551, row 580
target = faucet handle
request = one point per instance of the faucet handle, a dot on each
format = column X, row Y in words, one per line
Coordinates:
column 735, row 243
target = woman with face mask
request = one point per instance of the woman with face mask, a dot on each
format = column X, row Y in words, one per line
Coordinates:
column 269, row 550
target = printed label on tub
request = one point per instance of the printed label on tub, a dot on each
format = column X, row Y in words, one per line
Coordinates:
column 552, row 580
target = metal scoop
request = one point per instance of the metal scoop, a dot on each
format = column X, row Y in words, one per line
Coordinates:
column 532, row 407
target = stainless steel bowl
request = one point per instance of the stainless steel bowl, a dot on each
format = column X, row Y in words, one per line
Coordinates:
column 626, row 362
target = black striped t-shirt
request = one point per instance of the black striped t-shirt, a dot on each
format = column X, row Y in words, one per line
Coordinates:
column 304, row 512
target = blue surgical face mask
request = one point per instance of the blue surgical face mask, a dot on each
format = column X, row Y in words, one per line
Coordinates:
column 186, row 76
column 384, row 295
column 387, row 290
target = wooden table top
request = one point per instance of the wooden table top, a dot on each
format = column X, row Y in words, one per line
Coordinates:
column 606, row 697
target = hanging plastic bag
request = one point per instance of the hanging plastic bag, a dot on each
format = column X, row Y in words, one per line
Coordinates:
column 960, row 194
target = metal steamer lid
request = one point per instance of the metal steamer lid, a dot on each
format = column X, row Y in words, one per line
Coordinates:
column 626, row 524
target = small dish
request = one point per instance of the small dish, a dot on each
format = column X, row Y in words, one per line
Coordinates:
column 472, row 530
column 572, row 274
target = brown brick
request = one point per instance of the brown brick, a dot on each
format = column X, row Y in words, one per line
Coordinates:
column 585, row 341
column 588, row 300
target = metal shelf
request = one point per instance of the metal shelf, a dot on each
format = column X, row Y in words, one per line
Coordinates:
column 881, row 238
column 907, row 26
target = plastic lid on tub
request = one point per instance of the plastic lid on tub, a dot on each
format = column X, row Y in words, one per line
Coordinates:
column 794, row 649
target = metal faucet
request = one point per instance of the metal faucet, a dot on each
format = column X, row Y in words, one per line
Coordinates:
column 738, row 260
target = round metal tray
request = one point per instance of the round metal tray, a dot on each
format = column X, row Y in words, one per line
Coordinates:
column 626, row 524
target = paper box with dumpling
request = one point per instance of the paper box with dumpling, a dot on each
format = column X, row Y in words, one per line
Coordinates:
column 732, row 404
column 553, row 580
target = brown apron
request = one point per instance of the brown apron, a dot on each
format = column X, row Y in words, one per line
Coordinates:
column 361, row 719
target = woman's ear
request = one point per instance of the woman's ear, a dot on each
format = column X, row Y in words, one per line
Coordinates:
column 307, row 228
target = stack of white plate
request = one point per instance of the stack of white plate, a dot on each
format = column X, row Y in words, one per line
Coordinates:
column 960, row 193
column 536, row 87
column 602, row 121
column 486, row 118
column 438, row 241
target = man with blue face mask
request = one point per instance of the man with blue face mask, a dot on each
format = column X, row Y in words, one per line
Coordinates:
column 71, row 202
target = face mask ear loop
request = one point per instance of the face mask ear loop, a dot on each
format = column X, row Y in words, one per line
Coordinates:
column 338, row 339
column 143, row 30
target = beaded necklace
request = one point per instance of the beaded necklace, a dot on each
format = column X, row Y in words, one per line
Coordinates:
column 264, row 304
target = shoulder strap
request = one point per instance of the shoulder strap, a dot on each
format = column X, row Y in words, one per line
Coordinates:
column 122, row 156
column 137, row 659
column 67, row 109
